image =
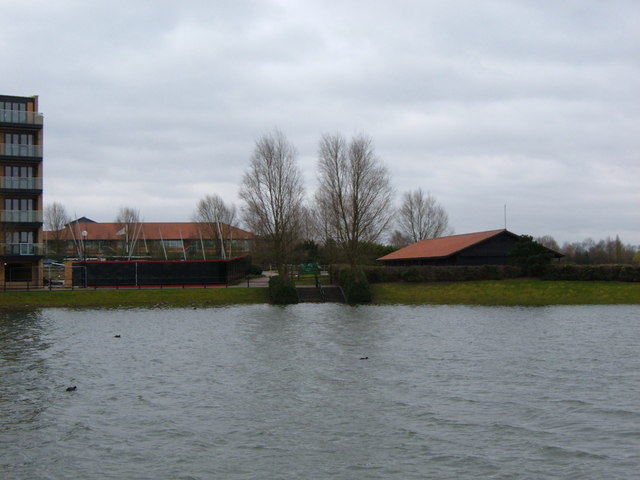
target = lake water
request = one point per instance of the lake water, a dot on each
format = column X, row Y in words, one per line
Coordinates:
column 271, row 392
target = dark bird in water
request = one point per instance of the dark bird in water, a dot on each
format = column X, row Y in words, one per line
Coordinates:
column 364, row 358
column 116, row 336
column 72, row 389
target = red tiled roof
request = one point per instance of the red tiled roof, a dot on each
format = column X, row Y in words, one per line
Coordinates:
column 440, row 247
column 151, row 231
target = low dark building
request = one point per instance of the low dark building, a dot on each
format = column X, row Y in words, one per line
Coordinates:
column 481, row 248
column 158, row 273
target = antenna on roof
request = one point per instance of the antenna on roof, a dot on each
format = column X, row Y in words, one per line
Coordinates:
column 505, row 216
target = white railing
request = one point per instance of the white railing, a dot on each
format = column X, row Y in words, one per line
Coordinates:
column 20, row 150
column 21, row 116
column 22, row 216
column 21, row 183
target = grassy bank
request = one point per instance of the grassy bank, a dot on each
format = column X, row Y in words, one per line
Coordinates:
column 508, row 292
column 503, row 292
column 134, row 298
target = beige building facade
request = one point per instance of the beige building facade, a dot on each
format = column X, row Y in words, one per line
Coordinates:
column 21, row 207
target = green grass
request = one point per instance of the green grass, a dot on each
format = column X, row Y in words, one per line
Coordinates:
column 311, row 280
column 504, row 292
column 134, row 298
column 508, row 292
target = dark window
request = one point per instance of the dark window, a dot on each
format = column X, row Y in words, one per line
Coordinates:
column 18, row 237
column 18, row 272
column 22, row 204
column 18, row 172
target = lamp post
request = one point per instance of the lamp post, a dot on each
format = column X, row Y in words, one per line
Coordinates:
column 84, row 255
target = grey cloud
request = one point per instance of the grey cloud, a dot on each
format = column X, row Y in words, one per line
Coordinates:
column 153, row 103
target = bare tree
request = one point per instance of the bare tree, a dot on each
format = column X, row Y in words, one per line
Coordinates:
column 217, row 219
column 273, row 193
column 549, row 242
column 354, row 195
column 130, row 225
column 55, row 222
column 399, row 240
column 420, row 216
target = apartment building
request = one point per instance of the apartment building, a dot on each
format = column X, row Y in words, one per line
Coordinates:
column 21, row 191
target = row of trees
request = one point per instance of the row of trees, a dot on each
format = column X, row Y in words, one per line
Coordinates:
column 589, row 252
column 352, row 206
column 350, row 211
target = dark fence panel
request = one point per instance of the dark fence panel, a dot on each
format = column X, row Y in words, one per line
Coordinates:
column 158, row 273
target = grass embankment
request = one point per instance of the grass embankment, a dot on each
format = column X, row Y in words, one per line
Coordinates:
column 134, row 298
column 508, row 292
column 503, row 292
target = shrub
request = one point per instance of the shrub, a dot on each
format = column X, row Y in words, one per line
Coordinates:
column 621, row 273
column 282, row 291
column 356, row 292
column 254, row 270
column 412, row 275
column 530, row 255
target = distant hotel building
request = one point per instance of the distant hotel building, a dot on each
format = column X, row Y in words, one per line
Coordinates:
column 84, row 238
column 21, row 190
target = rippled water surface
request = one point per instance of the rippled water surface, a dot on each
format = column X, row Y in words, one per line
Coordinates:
column 267, row 392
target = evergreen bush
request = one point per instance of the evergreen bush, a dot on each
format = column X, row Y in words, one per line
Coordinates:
column 254, row 270
column 620, row 273
column 282, row 291
column 356, row 292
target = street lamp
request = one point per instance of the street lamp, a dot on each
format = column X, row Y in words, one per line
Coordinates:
column 84, row 255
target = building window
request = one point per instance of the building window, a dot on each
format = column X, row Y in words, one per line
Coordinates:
column 18, row 237
column 19, row 243
column 173, row 243
column 19, row 177
column 18, row 272
column 13, row 112
column 19, row 144
column 19, row 210
column 15, row 171
column 20, row 204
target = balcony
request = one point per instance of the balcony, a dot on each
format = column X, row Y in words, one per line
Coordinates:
column 21, row 248
column 21, row 183
column 21, row 117
column 21, row 216
column 20, row 150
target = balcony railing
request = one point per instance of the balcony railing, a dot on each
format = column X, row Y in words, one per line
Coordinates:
column 21, row 183
column 20, row 116
column 21, row 216
column 20, row 150
column 21, row 248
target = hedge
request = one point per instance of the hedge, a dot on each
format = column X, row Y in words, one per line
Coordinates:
column 282, row 291
column 619, row 273
column 440, row 273
column 460, row 273
column 355, row 292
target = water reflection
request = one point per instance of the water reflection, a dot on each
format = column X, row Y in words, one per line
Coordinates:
column 24, row 376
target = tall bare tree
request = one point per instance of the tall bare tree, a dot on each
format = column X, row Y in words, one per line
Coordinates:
column 56, row 219
column 354, row 194
column 421, row 216
column 130, row 225
column 273, row 193
column 217, row 219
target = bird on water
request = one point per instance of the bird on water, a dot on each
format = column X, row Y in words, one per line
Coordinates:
column 72, row 389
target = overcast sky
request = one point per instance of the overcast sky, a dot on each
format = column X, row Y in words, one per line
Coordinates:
column 153, row 104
